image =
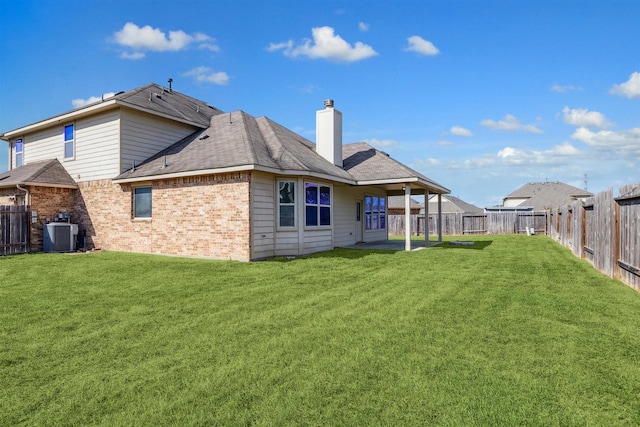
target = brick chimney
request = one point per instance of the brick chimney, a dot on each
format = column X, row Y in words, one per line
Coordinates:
column 329, row 133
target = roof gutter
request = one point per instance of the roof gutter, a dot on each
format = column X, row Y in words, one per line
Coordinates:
column 27, row 194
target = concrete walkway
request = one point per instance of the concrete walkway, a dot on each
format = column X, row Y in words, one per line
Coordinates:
column 391, row 245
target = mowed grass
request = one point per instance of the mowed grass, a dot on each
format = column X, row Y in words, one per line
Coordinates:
column 511, row 331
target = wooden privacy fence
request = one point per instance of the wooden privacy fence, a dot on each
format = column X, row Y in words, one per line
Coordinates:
column 605, row 230
column 462, row 223
column 14, row 229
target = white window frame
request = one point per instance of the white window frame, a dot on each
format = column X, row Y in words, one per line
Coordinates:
column 372, row 217
column 134, row 191
column 283, row 202
column 319, row 206
column 69, row 142
column 19, row 155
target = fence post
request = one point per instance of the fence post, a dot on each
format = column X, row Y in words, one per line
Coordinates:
column 616, row 238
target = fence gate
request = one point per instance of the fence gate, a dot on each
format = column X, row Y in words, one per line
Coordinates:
column 14, row 229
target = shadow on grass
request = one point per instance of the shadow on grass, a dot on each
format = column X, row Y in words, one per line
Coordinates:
column 477, row 245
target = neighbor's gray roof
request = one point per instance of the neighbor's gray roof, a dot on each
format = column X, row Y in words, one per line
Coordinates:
column 151, row 98
column 238, row 140
column 42, row 173
column 545, row 195
column 397, row 202
column 452, row 204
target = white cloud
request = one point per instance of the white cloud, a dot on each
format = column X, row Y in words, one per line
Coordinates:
column 153, row 39
column 585, row 118
column 77, row 103
column 630, row 88
column 384, row 144
column 363, row 27
column 207, row 75
column 445, row 143
column 565, row 88
column 460, row 131
column 325, row 45
column 133, row 56
column 421, row 46
column 510, row 123
column 625, row 144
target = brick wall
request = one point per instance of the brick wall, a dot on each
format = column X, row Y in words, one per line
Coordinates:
column 192, row 216
column 47, row 202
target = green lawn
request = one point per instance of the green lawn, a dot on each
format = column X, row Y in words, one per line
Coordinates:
column 511, row 331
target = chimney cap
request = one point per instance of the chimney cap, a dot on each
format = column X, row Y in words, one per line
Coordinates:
column 328, row 103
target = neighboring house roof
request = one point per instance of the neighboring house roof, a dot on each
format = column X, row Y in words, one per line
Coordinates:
column 452, row 204
column 545, row 195
column 46, row 173
column 151, row 98
column 237, row 141
column 397, row 202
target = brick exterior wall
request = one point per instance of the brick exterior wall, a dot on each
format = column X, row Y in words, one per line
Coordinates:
column 205, row 216
column 47, row 202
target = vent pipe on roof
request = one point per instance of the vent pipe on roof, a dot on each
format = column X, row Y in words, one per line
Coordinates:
column 329, row 133
column 170, row 81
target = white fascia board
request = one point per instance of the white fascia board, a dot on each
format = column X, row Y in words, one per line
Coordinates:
column 408, row 180
column 231, row 170
column 44, row 184
column 66, row 117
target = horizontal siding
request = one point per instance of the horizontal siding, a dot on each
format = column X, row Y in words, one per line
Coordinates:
column 317, row 240
column 287, row 243
column 144, row 135
column 97, row 140
column 43, row 145
column 262, row 216
column 344, row 216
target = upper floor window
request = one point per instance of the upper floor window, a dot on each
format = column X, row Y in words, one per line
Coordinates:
column 286, row 203
column 375, row 213
column 69, row 141
column 317, row 205
column 142, row 202
column 19, row 150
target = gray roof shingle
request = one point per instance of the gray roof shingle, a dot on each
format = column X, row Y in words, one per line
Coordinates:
column 545, row 195
column 41, row 173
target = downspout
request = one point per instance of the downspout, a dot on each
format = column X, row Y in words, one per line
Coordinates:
column 27, row 195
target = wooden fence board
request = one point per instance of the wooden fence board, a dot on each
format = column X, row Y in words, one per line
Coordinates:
column 14, row 229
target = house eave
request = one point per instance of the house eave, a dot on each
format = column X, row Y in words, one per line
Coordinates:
column 232, row 169
column 431, row 186
column 91, row 109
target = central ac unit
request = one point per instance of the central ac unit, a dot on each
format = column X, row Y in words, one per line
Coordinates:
column 60, row 237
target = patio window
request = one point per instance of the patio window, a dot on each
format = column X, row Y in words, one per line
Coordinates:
column 317, row 205
column 375, row 213
column 287, row 204
column 142, row 202
column 19, row 149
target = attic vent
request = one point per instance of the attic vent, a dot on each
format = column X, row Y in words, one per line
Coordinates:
column 203, row 137
column 328, row 103
column 157, row 95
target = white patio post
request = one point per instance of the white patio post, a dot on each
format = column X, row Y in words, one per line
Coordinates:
column 407, row 217
column 426, row 218
column 440, row 218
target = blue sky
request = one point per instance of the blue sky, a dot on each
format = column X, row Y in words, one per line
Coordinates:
column 481, row 96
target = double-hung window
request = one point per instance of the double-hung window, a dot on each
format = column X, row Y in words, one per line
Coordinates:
column 19, row 150
column 286, row 203
column 142, row 202
column 317, row 205
column 375, row 213
column 69, row 141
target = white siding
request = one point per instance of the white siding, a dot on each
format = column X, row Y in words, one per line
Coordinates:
column 317, row 240
column 43, row 145
column 262, row 216
column 344, row 216
column 143, row 135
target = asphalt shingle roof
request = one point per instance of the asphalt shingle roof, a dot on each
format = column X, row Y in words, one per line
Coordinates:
column 452, row 204
column 545, row 195
column 44, row 173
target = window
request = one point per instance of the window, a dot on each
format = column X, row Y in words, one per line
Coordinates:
column 69, row 142
column 286, row 204
column 375, row 213
column 19, row 148
column 142, row 202
column 317, row 205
